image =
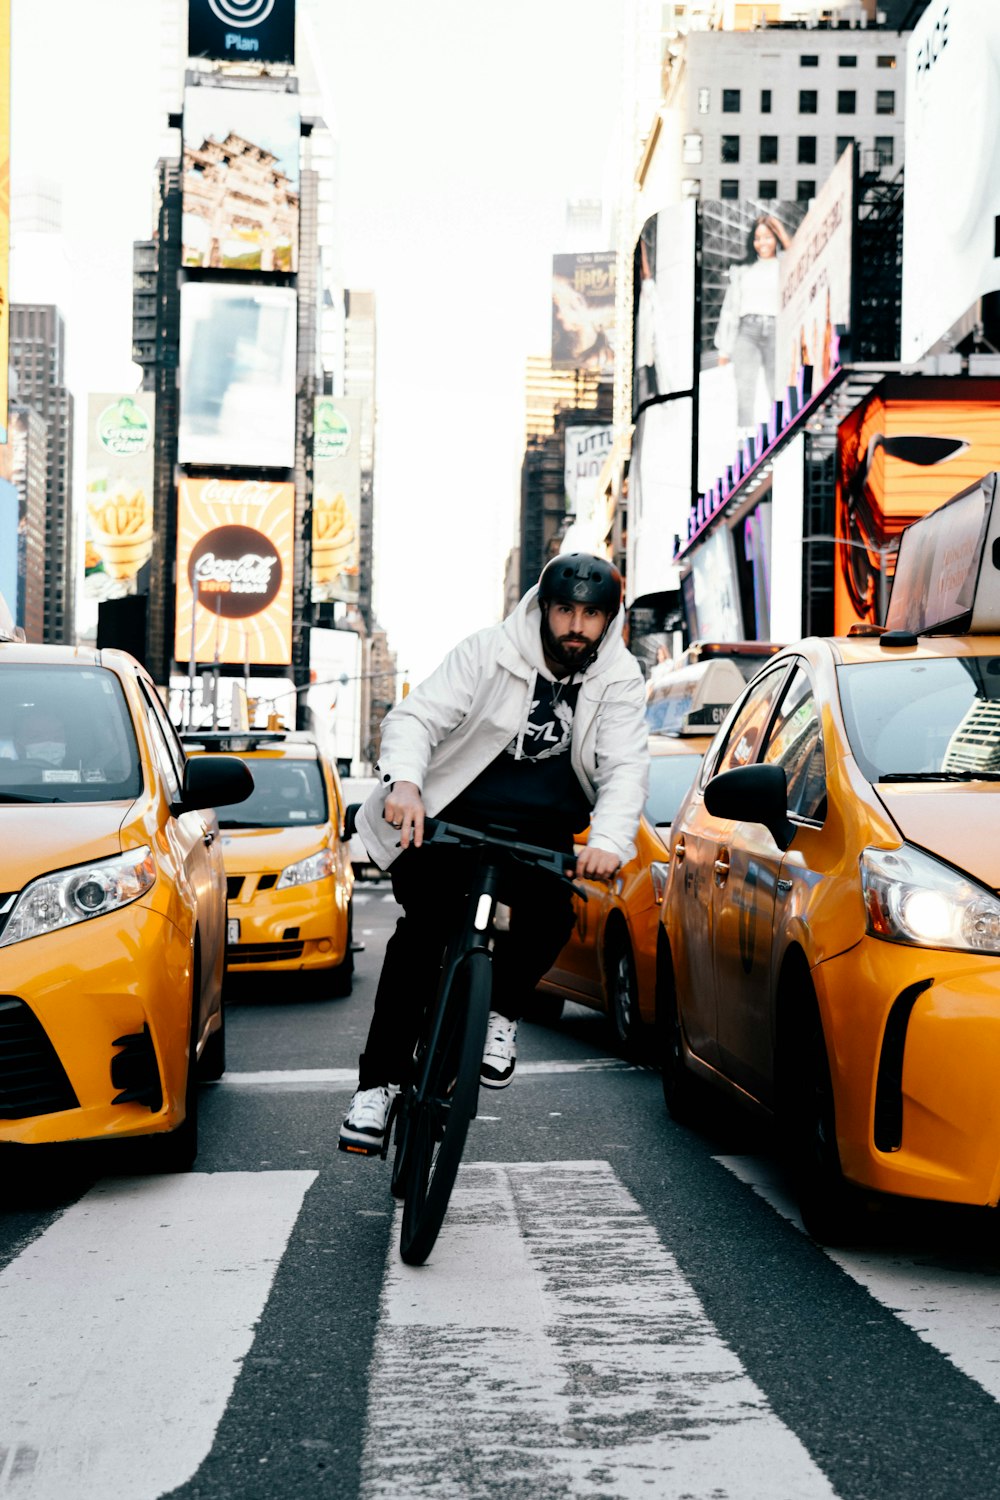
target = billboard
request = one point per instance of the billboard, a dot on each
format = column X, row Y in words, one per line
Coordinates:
column 583, row 311
column 237, row 395
column 336, row 509
column 815, row 282
column 240, row 179
column 333, row 698
column 242, row 30
column 952, row 170
column 659, row 495
column 900, row 456
column 587, row 451
column 118, row 516
column 663, row 296
column 4, row 212
column 235, row 552
column 743, row 241
column 716, row 588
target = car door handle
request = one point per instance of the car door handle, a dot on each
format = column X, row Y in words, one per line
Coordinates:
column 208, row 837
column 722, row 868
column 784, row 886
column 679, row 851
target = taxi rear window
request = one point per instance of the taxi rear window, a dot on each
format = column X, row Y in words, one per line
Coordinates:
column 286, row 794
column 66, row 735
column 923, row 718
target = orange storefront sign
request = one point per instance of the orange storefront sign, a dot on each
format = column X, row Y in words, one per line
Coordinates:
column 235, row 563
column 900, row 456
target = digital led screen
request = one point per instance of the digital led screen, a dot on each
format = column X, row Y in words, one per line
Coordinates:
column 336, row 508
column 242, row 30
column 663, row 305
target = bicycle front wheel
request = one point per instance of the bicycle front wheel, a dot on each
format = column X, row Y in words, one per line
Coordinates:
column 441, row 1107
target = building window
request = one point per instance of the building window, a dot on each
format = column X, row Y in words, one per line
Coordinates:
column 691, row 187
column 703, row 98
column 885, row 60
column 768, row 148
column 809, row 60
column 847, row 102
column 808, row 101
column 807, row 149
column 730, row 101
column 729, row 187
column 843, row 141
column 885, row 149
column 765, row 101
column 885, row 102
column 767, row 188
column 847, row 60
column 730, row 150
column 805, row 189
column 691, row 150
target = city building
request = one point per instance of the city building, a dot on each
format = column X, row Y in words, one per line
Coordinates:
column 545, row 516
column 38, row 359
column 359, row 382
column 28, row 442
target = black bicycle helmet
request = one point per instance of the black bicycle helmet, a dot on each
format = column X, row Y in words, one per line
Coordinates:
column 581, row 578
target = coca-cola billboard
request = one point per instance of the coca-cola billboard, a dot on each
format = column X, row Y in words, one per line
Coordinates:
column 234, row 571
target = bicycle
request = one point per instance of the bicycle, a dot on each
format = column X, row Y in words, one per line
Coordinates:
column 432, row 1113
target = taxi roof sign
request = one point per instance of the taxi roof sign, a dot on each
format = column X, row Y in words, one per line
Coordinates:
column 693, row 699
column 947, row 578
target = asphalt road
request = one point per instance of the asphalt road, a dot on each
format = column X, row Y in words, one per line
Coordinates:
column 616, row 1306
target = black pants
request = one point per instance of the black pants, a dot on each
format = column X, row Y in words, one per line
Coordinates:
column 431, row 884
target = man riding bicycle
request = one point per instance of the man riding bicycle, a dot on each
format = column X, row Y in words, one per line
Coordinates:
column 535, row 726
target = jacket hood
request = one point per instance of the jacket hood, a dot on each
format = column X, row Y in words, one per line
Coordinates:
column 523, row 627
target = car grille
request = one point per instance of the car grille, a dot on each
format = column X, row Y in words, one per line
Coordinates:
column 234, row 884
column 255, row 953
column 266, row 881
column 32, row 1079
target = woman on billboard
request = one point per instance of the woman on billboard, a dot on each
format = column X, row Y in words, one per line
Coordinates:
column 745, row 333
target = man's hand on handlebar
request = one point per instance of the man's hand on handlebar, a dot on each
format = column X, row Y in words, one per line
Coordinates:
column 404, row 809
column 596, row 864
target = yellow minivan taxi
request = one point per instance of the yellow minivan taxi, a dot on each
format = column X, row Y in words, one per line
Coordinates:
column 288, row 868
column 830, row 936
column 112, row 906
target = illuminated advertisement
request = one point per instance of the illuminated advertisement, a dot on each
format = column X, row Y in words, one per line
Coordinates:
column 952, row 169
column 241, row 180
column 242, row 30
column 583, row 311
column 118, row 517
column 900, row 456
column 815, row 282
column 237, row 395
column 743, row 242
column 336, row 508
column 333, row 698
column 716, row 588
column 659, row 495
column 4, row 212
column 234, row 571
column 587, row 451
column 663, row 305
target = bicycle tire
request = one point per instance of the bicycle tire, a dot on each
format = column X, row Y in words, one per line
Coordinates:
column 439, row 1112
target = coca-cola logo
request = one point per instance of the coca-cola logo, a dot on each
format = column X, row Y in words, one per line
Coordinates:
column 237, row 571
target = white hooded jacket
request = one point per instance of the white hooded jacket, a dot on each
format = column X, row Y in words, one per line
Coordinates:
column 477, row 701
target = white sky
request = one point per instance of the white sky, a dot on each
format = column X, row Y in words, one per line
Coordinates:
column 463, row 129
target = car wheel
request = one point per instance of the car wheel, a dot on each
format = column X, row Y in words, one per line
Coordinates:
column 831, row 1208
column 622, row 988
column 341, row 979
column 682, row 1092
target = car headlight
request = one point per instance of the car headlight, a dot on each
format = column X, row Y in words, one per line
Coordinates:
column 316, row 867
column 910, row 897
column 76, row 895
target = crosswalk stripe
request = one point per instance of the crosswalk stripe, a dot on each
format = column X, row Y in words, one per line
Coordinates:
column 339, row 1078
column 953, row 1309
column 123, row 1328
column 552, row 1343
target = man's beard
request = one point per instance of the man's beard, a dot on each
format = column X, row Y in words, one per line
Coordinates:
column 572, row 658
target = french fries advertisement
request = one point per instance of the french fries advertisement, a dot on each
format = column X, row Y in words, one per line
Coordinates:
column 336, row 503
column 118, row 515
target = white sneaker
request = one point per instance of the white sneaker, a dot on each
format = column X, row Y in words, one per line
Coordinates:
column 499, row 1053
column 363, row 1130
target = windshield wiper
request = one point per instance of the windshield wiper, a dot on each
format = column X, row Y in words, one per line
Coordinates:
column 941, row 776
column 19, row 797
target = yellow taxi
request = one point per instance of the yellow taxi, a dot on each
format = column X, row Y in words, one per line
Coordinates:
column 829, row 948
column 112, row 912
column 609, row 961
column 288, row 868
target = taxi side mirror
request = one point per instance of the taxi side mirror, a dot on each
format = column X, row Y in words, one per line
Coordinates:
column 214, row 781
column 753, row 794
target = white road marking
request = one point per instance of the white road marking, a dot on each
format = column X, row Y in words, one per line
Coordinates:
column 953, row 1308
column 124, row 1326
column 292, row 1078
column 552, row 1346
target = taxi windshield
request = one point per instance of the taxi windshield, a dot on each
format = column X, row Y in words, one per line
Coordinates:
column 669, row 778
column 286, row 793
column 65, row 736
column 934, row 720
